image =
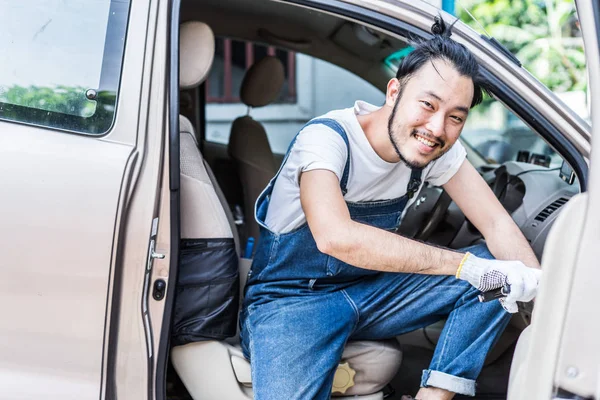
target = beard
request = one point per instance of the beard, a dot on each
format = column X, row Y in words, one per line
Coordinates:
column 410, row 164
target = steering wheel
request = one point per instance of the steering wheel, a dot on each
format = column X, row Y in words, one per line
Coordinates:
column 436, row 215
column 426, row 213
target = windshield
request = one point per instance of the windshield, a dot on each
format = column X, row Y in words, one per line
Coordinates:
column 498, row 135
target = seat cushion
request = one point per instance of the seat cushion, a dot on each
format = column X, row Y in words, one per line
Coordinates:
column 214, row 369
column 375, row 363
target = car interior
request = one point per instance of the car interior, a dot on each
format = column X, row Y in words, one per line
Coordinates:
column 220, row 182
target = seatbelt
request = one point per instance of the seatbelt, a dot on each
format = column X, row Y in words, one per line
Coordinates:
column 414, row 183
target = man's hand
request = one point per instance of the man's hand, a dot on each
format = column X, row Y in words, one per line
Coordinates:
column 487, row 275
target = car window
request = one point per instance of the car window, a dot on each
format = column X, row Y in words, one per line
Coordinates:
column 233, row 58
column 498, row 136
column 546, row 38
column 309, row 90
column 60, row 65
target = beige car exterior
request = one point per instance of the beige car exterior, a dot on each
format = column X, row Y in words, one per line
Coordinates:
column 89, row 227
column 78, row 214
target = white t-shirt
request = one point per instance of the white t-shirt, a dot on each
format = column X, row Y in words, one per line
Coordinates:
column 370, row 178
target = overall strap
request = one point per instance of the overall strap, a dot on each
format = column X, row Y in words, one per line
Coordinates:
column 414, row 182
column 262, row 203
column 333, row 124
column 415, row 177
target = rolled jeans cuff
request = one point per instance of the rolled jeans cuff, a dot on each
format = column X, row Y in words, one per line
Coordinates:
column 448, row 382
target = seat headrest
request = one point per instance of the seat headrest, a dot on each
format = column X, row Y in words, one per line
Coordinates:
column 263, row 82
column 196, row 53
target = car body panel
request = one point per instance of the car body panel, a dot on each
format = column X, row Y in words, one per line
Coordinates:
column 57, row 248
column 77, row 216
column 137, row 321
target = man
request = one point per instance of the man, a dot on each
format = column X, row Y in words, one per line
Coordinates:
column 327, row 268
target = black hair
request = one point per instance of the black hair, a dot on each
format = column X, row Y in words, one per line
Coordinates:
column 441, row 47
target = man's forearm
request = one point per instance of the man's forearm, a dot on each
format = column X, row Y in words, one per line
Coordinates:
column 367, row 247
column 506, row 242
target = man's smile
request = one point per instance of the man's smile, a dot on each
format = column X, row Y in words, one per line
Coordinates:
column 426, row 141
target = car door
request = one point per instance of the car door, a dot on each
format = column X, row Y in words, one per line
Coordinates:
column 81, row 147
column 557, row 356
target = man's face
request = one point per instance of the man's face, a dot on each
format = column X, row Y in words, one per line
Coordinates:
column 429, row 113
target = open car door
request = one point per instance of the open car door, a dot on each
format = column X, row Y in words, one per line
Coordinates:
column 558, row 356
column 82, row 133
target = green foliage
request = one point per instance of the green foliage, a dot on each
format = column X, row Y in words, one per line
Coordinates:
column 60, row 99
column 60, row 107
column 543, row 34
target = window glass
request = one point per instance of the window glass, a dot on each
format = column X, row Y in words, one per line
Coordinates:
column 499, row 136
column 60, row 65
column 312, row 88
column 233, row 58
column 544, row 35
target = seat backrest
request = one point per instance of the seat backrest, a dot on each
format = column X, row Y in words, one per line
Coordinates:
column 204, row 210
column 248, row 143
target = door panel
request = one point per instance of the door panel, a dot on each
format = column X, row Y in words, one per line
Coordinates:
column 534, row 362
column 578, row 368
column 561, row 351
column 60, row 194
column 66, row 201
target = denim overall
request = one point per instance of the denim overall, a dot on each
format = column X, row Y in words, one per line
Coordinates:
column 301, row 306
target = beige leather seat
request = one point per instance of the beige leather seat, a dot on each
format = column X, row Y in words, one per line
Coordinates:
column 248, row 143
column 217, row 370
column 198, row 185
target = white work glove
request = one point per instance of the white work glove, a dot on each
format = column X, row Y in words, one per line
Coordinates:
column 487, row 275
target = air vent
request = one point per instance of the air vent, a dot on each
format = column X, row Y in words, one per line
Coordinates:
column 546, row 212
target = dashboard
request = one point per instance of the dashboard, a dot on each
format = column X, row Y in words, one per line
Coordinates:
column 544, row 195
column 532, row 194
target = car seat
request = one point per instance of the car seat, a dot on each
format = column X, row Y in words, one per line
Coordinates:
column 217, row 369
column 248, row 143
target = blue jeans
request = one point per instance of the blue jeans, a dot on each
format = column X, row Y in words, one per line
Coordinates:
column 296, row 339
